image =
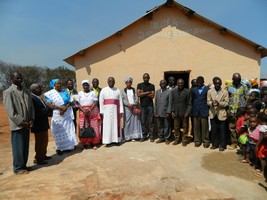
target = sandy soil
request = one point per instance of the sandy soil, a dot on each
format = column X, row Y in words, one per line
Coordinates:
column 132, row 171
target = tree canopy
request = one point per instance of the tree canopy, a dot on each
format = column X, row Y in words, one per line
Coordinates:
column 34, row 74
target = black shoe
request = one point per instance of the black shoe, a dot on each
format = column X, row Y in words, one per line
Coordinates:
column 175, row 142
column 184, row 144
column 152, row 140
column 29, row 169
column 160, row 141
column 212, row 147
column 167, row 142
column 59, row 152
column 48, row 157
column 221, row 149
column 40, row 162
column 206, row 145
column 197, row 144
column 143, row 139
column 108, row 145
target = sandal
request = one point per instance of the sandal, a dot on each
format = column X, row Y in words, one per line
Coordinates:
column 258, row 174
column 24, row 171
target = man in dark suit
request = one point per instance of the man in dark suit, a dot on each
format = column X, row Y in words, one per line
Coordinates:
column 193, row 85
column 162, row 112
column 19, row 107
column 171, row 85
column 40, row 125
column 200, row 113
column 181, row 108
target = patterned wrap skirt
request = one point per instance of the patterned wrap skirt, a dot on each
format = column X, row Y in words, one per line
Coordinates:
column 95, row 122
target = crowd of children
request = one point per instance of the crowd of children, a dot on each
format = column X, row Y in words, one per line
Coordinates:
column 251, row 126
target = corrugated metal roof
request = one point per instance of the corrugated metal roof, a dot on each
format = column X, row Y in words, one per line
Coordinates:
column 190, row 13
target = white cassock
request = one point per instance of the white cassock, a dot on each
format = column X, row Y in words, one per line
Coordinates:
column 111, row 106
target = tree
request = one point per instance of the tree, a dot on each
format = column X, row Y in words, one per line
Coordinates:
column 6, row 70
column 34, row 74
column 61, row 73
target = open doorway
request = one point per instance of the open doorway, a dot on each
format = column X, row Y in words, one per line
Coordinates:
column 178, row 74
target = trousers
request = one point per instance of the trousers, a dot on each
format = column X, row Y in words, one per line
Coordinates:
column 178, row 121
column 201, row 130
column 163, row 128
column 147, row 118
column 218, row 133
column 20, row 140
column 41, row 142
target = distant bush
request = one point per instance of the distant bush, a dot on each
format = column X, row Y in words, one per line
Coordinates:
column 33, row 74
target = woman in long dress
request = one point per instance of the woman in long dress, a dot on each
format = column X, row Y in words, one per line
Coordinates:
column 132, row 123
column 89, row 114
column 62, row 125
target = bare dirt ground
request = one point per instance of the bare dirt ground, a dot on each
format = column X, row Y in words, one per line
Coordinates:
column 132, row 171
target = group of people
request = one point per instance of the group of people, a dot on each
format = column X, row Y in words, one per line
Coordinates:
column 28, row 112
column 219, row 116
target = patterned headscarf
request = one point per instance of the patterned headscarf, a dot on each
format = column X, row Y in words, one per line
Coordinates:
column 253, row 82
column 52, row 82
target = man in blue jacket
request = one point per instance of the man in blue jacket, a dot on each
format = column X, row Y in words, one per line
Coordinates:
column 200, row 113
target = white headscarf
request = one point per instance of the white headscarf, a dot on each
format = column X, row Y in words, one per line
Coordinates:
column 86, row 81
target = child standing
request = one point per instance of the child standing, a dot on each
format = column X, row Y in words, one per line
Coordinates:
column 261, row 146
column 240, row 122
column 252, row 138
column 241, row 129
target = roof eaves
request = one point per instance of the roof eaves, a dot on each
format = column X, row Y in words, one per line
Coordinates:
column 222, row 29
column 189, row 13
column 70, row 59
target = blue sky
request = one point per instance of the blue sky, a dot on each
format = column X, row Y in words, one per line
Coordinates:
column 43, row 33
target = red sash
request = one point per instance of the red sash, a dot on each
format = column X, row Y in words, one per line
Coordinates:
column 117, row 103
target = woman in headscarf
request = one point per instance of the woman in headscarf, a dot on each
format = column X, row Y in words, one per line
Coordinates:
column 89, row 114
column 132, row 123
column 62, row 125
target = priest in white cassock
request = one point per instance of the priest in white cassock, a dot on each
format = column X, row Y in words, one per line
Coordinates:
column 111, row 108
